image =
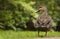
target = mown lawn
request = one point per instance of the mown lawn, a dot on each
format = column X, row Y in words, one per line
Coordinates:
column 25, row 34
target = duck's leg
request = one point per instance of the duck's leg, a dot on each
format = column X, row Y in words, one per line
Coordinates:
column 38, row 33
column 46, row 33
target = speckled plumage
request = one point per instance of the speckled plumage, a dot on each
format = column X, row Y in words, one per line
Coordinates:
column 43, row 22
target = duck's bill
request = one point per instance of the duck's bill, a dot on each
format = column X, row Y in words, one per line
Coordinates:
column 37, row 11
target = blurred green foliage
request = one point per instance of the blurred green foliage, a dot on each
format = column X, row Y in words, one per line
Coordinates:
column 14, row 13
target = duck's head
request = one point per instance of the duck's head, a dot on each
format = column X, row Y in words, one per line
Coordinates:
column 41, row 9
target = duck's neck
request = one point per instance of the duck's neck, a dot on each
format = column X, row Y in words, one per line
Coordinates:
column 45, row 13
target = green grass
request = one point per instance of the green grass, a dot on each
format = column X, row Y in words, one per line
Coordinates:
column 24, row 34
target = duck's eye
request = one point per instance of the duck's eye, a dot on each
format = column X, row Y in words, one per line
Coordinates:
column 40, row 7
